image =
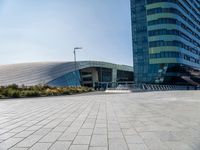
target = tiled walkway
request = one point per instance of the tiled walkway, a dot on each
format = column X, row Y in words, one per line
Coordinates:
column 136, row 121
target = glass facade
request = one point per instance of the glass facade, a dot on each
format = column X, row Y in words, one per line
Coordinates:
column 69, row 79
column 123, row 76
column 88, row 76
column 166, row 35
column 105, row 74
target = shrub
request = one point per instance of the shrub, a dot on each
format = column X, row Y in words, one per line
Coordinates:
column 1, row 96
column 65, row 92
column 29, row 93
column 52, row 92
column 13, row 93
column 7, row 92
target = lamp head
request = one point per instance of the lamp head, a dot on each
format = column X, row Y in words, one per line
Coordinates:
column 75, row 48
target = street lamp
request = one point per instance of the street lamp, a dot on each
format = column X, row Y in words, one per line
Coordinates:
column 76, row 48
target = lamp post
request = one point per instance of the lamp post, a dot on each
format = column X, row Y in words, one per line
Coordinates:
column 76, row 48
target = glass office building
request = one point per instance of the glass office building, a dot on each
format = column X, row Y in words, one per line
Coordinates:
column 166, row 41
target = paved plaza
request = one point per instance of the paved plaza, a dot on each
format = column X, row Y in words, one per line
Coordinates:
column 132, row 121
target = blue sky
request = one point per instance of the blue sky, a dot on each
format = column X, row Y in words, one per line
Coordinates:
column 48, row 30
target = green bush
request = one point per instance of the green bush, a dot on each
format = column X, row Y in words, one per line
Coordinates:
column 32, row 94
column 15, row 94
column 29, row 93
column 11, row 93
column 65, row 92
column 1, row 96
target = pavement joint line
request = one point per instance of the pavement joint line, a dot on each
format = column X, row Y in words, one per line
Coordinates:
column 33, row 133
column 94, row 126
column 120, row 128
column 66, row 129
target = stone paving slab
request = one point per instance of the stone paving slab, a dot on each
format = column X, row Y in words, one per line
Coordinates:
column 132, row 121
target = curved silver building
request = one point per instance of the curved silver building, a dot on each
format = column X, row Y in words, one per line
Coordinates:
column 87, row 73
